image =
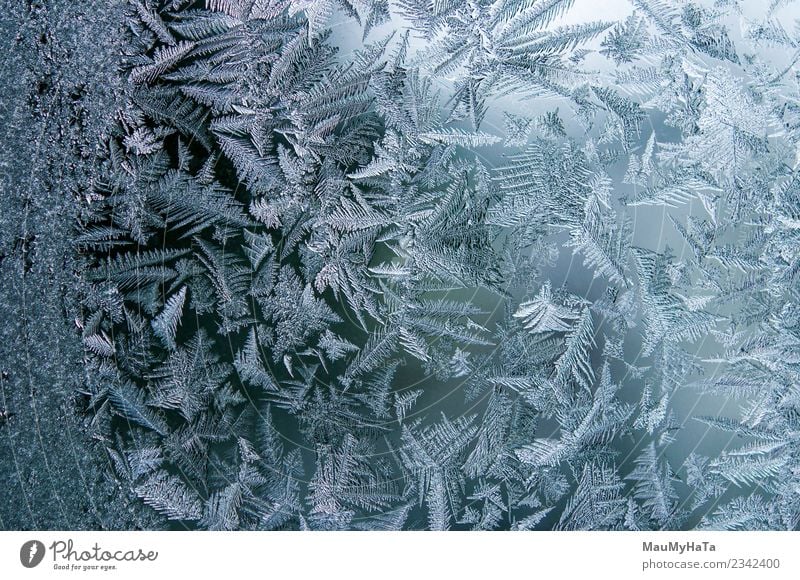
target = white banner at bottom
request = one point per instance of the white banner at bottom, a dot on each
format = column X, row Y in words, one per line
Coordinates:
column 407, row 555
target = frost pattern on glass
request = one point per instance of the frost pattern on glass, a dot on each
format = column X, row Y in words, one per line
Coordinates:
column 511, row 264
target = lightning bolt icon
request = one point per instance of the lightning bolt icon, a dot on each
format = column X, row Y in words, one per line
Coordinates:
column 34, row 549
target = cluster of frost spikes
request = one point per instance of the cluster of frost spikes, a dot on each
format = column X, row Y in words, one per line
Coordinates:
column 329, row 293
